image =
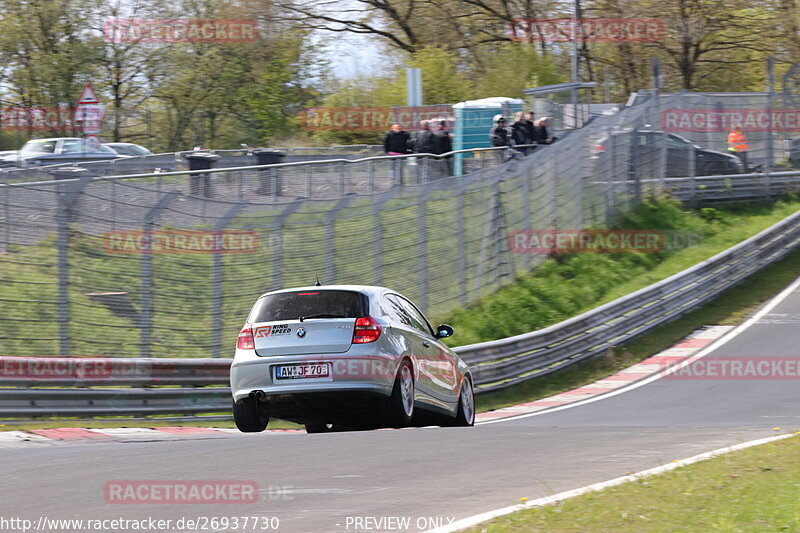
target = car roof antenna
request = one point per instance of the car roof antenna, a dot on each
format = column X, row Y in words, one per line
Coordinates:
column 318, row 284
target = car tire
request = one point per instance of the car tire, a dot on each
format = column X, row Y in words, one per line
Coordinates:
column 465, row 416
column 320, row 428
column 250, row 416
column 400, row 405
column 709, row 168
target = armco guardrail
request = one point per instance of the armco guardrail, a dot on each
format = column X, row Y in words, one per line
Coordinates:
column 496, row 364
column 126, row 387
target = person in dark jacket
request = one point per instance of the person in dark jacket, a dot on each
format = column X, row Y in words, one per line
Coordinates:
column 444, row 138
column 499, row 134
column 542, row 135
column 519, row 131
column 445, row 146
column 396, row 141
column 424, row 140
column 530, row 126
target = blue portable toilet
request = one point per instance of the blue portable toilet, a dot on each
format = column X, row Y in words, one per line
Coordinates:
column 474, row 120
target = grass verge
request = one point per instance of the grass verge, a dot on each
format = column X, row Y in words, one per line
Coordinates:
column 757, row 489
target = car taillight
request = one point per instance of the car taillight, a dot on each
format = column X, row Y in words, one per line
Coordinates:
column 246, row 341
column 367, row 330
column 599, row 148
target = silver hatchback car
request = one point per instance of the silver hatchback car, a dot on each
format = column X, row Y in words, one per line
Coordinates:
column 346, row 357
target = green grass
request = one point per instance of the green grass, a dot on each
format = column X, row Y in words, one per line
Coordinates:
column 753, row 490
column 181, row 290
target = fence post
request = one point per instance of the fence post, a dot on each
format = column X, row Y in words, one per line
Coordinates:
column 146, row 315
column 371, row 176
column 377, row 226
column 770, row 100
column 341, row 178
column 692, row 175
column 494, row 232
column 462, row 254
column 554, row 220
column 330, row 249
column 216, row 279
column 7, row 215
column 612, row 163
column 69, row 193
column 526, row 209
column 422, row 241
column 277, row 253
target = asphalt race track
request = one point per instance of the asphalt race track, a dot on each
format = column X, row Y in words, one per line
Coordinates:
column 335, row 482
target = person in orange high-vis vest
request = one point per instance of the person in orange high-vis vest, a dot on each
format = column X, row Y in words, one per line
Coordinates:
column 737, row 143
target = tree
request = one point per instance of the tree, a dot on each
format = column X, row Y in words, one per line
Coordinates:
column 46, row 54
column 703, row 38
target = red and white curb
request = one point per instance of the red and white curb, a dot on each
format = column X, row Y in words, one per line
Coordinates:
column 16, row 439
column 647, row 368
column 650, row 366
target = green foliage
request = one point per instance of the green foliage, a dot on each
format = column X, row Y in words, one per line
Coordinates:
column 442, row 81
column 508, row 69
column 167, row 95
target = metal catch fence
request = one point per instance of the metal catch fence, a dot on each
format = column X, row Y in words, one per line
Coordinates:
column 167, row 264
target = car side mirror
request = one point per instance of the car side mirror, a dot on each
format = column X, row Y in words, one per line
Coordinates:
column 443, row 331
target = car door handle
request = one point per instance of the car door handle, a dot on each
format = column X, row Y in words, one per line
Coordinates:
column 426, row 344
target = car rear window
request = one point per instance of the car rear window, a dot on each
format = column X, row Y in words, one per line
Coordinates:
column 293, row 305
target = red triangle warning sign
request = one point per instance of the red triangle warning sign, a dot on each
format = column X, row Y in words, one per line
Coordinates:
column 88, row 95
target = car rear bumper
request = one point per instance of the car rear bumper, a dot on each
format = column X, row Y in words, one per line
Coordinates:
column 347, row 374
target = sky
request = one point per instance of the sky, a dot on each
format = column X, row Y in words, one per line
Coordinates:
column 351, row 54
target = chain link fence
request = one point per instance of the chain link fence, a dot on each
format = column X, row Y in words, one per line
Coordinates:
column 168, row 264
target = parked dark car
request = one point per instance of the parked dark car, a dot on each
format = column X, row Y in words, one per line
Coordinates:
column 638, row 153
column 54, row 151
column 129, row 149
column 794, row 152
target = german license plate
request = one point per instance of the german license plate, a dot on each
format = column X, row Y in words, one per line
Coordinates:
column 302, row 371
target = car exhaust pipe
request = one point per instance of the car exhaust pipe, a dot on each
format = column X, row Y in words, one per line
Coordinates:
column 258, row 394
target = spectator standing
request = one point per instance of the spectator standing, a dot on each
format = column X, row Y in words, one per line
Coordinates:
column 737, row 143
column 425, row 141
column 519, row 131
column 499, row 135
column 542, row 135
column 530, row 126
column 445, row 146
column 396, row 141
